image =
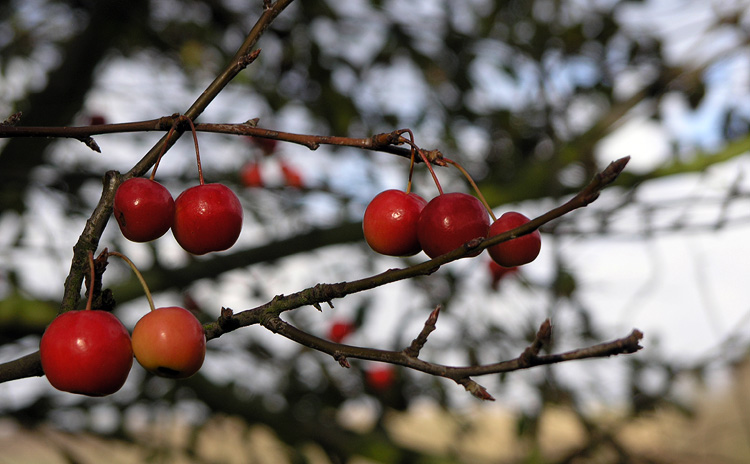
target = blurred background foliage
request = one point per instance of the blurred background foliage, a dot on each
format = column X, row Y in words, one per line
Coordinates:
column 530, row 96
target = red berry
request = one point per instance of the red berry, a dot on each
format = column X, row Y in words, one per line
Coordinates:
column 518, row 251
column 390, row 223
column 97, row 120
column 86, row 352
column 499, row 272
column 170, row 342
column 380, row 378
column 340, row 330
column 450, row 220
column 267, row 146
column 207, row 218
column 251, row 175
column 144, row 209
column 292, row 178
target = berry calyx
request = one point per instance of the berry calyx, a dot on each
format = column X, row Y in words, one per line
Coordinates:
column 450, row 220
column 169, row 342
column 390, row 223
column 517, row 251
column 208, row 217
column 144, row 209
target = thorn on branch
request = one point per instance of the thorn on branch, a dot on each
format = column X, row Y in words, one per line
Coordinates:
column 542, row 339
column 246, row 60
column 341, row 359
column 418, row 343
column 475, row 389
column 91, row 143
column 226, row 320
column 12, row 120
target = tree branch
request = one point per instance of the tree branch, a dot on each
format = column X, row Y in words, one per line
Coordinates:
column 461, row 375
column 324, row 293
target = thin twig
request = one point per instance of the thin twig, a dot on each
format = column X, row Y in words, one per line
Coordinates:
column 461, row 375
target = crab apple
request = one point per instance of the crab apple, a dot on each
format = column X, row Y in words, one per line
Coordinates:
column 517, row 251
column 169, row 342
column 251, row 175
column 86, row 352
column 292, row 177
column 340, row 330
column 390, row 223
column 267, row 146
column 144, row 209
column 450, row 220
column 208, row 217
column 498, row 272
column 380, row 378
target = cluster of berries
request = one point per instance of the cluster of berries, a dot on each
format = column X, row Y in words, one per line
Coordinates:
column 90, row 352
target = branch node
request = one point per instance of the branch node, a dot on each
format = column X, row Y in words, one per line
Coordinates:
column 226, row 320
column 418, row 343
column 12, row 120
column 91, row 143
column 475, row 389
column 341, row 359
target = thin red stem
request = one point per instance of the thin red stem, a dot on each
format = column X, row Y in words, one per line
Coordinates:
column 411, row 162
column 432, row 171
column 414, row 148
column 197, row 152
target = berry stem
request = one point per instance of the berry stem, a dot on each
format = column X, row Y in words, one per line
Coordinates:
column 91, row 282
column 432, row 171
column 411, row 161
column 197, row 152
column 137, row 274
column 474, row 186
column 414, row 148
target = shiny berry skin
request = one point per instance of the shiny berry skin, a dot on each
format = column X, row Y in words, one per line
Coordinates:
column 144, row 209
column 86, row 352
column 170, row 342
column 390, row 223
column 207, row 218
column 518, row 251
column 450, row 220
